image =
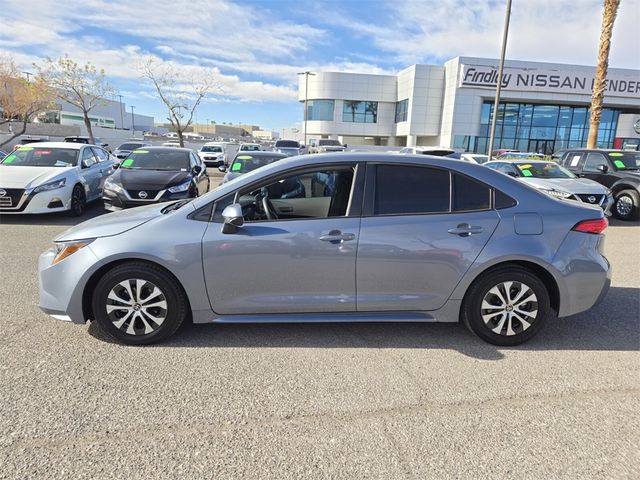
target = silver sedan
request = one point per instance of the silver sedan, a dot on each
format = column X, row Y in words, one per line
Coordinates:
column 336, row 237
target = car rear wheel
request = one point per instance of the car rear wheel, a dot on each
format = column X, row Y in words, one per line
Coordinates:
column 138, row 304
column 78, row 201
column 627, row 205
column 506, row 306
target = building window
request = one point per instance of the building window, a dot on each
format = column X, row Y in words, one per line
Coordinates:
column 402, row 108
column 542, row 128
column 320, row 110
column 355, row 111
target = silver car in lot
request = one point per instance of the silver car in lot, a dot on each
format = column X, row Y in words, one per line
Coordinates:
column 374, row 237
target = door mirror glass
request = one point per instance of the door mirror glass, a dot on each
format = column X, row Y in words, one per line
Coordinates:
column 603, row 168
column 196, row 169
column 115, row 165
column 233, row 218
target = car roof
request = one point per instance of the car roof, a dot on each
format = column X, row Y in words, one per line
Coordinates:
column 521, row 160
column 67, row 145
column 167, row 149
column 261, row 153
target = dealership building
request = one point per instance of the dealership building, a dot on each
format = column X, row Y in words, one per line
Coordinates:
column 544, row 107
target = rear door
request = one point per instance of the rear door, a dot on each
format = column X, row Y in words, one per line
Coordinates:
column 590, row 169
column 421, row 230
column 91, row 171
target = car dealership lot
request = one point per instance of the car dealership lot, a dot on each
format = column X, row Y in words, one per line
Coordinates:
column 339, row 401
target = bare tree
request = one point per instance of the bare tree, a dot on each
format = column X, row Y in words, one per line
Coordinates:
column 608, row 18
column 181, row 91
column 83, row 86
column 21, row 99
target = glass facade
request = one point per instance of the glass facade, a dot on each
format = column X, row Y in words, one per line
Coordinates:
column 538, row 128
column 320, row 110
column 355, row 111
column 402, row 109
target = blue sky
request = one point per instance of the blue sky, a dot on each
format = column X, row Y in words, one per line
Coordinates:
column 253, row 49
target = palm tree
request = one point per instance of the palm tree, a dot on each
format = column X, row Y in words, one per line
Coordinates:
column 599, row 84
column 352, row 105
column 372, row 108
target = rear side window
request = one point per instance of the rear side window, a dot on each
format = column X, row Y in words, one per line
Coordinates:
column 406, row 190
column 469, row 194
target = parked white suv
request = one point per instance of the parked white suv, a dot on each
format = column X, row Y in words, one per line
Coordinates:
column 325, row 145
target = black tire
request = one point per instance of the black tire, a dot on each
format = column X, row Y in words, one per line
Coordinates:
column 627, row 205
column 78, row 202
column 171, row 294
column 511, row 332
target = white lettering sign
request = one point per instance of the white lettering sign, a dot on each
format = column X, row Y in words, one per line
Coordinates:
column 555, row 81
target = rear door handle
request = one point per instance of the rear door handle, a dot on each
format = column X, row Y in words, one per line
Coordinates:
column 465, row 230
column 336, row 236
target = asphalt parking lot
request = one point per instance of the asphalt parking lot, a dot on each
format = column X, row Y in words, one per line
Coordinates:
column 316, row 401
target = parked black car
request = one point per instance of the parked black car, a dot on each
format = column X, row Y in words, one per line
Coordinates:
column 617, row 169
column 154, row 175
column 126, row 148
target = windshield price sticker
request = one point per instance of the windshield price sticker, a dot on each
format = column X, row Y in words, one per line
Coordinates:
column 616, row 154
column 245, row 157
column 524, row 167
column 10, row 158
column 575, row 160
column 619, row 164
column 140, row 151
column 128, row 162
column 527, row 173
column 236, row 166
column 25, row 148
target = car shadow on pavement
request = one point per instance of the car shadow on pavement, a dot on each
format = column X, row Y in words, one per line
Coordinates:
column 614, row 222
column 94, row 209
column 612, row 325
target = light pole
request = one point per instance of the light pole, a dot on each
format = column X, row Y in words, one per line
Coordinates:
column 29, row 75
column 121, row 113
column 306, row 98
column 133, row 121
column 496, row 102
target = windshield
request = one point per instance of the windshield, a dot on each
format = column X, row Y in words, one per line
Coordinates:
column 42, row 157
column 250, row 148
column 480, row 158
column 157, row 160
column 543, row 170
column 209, row 149
column 287, row 144
column 625, row 160
column 247, row 163
column 331, row 143
column 130, row 146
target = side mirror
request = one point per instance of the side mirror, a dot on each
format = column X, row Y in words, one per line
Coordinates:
column 197, row 169
column 345, row 145
column 512, row 174
column 86, row 163
column 222, row 168
column 603, row 168
column 115, row 165
column 233, row 218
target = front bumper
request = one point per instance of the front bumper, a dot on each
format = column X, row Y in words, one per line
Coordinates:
column 49, row 201
column 61, row 285
column 115, row 201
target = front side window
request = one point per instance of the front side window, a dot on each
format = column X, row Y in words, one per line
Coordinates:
column 593, row 161
column 320, row 110
column 403, row 190
column 402, row 109
column 101, row 155
column 88, row 157
column 354, row 111
column 314, row 194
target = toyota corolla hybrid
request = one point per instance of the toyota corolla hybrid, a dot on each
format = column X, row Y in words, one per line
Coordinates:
column 53, row 177
column 389, row 238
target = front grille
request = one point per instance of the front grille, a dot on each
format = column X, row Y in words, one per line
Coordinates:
column 11, row 198
column 591, row 198
column 135, row 194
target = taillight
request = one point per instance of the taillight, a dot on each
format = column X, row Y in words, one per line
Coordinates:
column 591, row 226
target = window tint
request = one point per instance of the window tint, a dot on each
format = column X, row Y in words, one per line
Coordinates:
column 592, row 162
column 101, row 155
column 469, row 194
column 88, row 157
column 404, row 190
column 502, row 200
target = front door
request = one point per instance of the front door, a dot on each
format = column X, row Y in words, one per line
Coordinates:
column 288, row 257
column 546, row 147
column 91, row 170
column 417, row 241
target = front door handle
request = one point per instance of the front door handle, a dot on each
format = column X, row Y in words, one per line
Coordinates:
column 336, row 236
column 465, row 230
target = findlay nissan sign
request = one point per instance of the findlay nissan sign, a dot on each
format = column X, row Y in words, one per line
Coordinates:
column 552, row 81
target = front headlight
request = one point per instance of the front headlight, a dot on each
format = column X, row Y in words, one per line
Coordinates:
column 556, row 193
column 113, row 186
column 183, row 187
column 65, row 249
column 50, row 186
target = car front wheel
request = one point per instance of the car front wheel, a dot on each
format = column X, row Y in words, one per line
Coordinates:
column 506, row 306
column 627, row 205
column 138, row 304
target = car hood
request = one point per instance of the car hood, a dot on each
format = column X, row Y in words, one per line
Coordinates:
column 27, row 177
column 570, row 185
column 112, row 223
column 132, row 179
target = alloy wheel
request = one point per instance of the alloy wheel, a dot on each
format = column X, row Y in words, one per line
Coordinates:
column 136, row 306
column 509, row 308
column 624, row 205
